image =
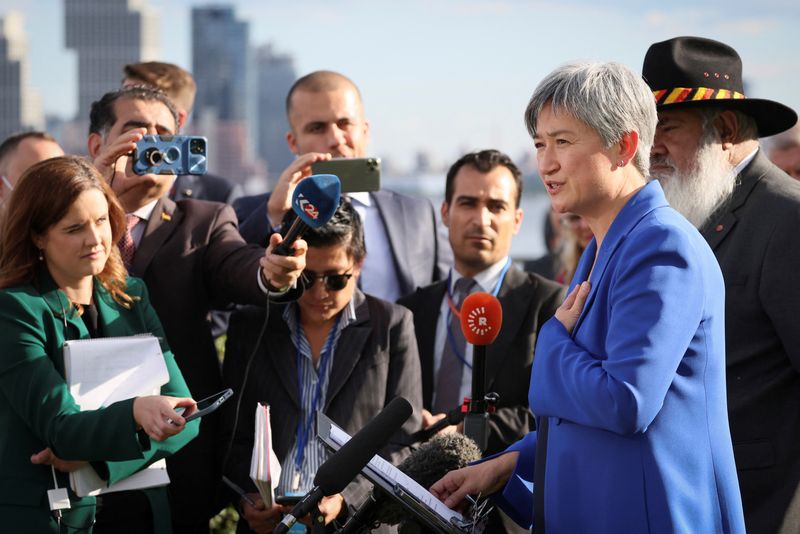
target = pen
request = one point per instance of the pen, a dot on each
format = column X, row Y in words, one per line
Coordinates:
column 231, row 484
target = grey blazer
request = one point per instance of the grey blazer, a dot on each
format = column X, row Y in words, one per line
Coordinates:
column 376, row 360
column 755, row 238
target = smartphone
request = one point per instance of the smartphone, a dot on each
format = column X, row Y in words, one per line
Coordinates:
column 209, row 404
column 355, row 174
column 171, row 154
column 288, row 500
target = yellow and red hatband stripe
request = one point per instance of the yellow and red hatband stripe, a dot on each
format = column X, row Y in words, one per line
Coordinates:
column 691, row 94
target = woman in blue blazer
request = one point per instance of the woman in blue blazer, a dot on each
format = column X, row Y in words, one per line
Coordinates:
column 628, row 383
column 62, row 278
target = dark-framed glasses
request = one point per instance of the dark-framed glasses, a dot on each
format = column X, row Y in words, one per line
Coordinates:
column 333, row 282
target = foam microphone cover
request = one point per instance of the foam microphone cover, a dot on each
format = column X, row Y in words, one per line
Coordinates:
column 343, row 466
column 481, row 318
column 316, row 198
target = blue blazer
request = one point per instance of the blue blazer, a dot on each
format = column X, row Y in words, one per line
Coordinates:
column 633, row 424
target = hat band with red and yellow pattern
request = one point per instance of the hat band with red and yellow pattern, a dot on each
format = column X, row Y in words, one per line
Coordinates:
column 694, row 94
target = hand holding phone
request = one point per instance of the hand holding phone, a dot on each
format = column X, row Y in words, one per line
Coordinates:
column 207, row 405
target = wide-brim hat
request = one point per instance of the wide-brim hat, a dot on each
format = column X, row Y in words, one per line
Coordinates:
column 687, row 72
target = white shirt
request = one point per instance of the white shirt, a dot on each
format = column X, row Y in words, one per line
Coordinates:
column 484, row 281
column 144, row 213
column 379, row 276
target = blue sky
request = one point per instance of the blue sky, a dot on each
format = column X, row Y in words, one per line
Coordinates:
column 447, row 76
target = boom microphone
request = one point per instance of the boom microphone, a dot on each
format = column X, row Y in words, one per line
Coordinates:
column 481, row 319
column 426, row 465
column 314, row 201
column 343, row 466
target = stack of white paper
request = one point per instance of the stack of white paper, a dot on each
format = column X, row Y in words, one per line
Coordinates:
column 103, row 371
column 265, row 468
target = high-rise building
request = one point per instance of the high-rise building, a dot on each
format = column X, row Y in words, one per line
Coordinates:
column 220, row 57
column 20, row 106
column 275, row 75
column 224, row 105
column 106, row 35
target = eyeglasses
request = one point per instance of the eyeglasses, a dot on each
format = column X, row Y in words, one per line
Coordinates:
column 333, row 282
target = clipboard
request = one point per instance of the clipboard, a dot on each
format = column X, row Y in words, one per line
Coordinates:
column 416, row 500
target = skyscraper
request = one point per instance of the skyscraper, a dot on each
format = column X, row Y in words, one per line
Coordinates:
column 20, row 106
column 223, row 107
column 107, row 34
column 275, row 75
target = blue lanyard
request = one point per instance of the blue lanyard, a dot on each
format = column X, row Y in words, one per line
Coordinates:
column 451, row 306
column 303, row 430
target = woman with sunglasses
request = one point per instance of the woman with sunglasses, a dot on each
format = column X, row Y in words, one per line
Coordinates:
column 335, row 350
column 62, row 278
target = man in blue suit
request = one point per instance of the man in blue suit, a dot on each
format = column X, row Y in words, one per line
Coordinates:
column 406, row 248
column 628, row 383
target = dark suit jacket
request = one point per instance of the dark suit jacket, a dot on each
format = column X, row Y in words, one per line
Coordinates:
column 755, row 239
column 37, row 410
column 374, row 361
column 528, row 300
column 205, row 187
column 193, row 259
column 419, row 244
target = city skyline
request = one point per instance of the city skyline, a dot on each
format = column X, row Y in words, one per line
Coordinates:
column 451, row 76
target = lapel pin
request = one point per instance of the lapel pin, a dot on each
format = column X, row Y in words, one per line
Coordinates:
column 166, row 217
column 719, row 228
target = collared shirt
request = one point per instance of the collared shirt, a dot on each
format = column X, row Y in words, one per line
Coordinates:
column 742, row 164
column 379, row 276
column 315, row 453
column 484, row 281
column 144, row 213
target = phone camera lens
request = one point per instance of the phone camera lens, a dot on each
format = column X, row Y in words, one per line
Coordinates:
column 172, row 155
column 153, row 156
column 197, row 146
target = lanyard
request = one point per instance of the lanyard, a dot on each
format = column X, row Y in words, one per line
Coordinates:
column 452, row 310
column 303, row 430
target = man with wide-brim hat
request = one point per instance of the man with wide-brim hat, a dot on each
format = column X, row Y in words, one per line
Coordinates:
column 706, row 155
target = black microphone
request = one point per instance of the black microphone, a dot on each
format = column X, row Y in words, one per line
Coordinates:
column 481, row 319
column 453, row 417
column 314, row 201
column 343, row 466
column 425, row 466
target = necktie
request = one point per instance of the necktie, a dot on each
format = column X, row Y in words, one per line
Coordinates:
column 126, row 244
column 451, row 370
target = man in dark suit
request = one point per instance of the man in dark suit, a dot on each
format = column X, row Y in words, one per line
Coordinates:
column 336, row 350
column 192, row 259
column 481, row 210
column 406, row 246
column 706, row 156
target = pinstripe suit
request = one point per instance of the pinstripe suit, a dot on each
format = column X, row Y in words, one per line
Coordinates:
column 375, row 360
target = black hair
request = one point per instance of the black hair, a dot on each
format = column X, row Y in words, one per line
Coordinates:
column 102, row 116
column 484, row 161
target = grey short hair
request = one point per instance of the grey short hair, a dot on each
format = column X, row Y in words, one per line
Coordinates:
column 608, row 97
column 747, row 127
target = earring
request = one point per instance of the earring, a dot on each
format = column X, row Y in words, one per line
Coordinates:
column 41, row 255
column 620, row 163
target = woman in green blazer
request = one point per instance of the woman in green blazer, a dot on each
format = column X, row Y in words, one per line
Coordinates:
column 62, row 278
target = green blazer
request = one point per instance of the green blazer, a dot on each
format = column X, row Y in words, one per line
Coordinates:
column 37, row 410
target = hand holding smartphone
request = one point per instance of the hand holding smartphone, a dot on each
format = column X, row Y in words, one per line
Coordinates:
column 207, row 405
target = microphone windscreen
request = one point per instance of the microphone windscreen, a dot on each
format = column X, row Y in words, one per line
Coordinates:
column 343, row 466
column 481, row 318
column 316, row 198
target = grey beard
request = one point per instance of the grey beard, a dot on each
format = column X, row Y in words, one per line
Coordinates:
column 696, row 194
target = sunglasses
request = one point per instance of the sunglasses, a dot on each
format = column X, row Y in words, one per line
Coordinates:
column 333, row 282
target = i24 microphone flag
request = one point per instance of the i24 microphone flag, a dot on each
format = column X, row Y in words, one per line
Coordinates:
column 481, row 319
column 343, row 466
column 314, row 201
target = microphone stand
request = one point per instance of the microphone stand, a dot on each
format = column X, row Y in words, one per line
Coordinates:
column 476, row 421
